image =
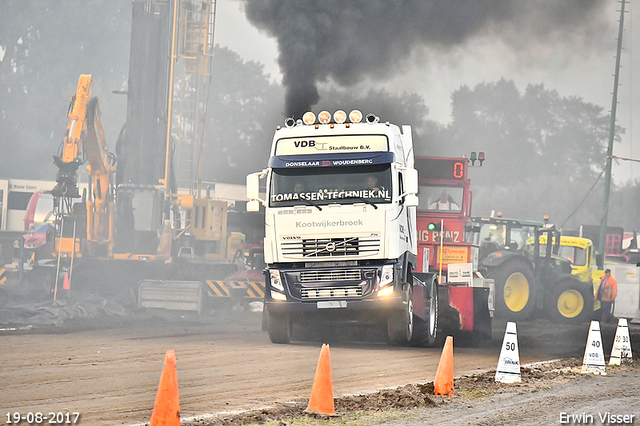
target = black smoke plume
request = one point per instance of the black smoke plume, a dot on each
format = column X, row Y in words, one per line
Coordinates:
column 347, row 40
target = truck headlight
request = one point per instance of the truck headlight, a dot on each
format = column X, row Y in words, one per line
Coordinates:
column 386, row 277
column 385, row 291
column 277, row 296
column 276, row 282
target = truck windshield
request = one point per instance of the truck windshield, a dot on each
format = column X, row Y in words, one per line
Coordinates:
column 329, row 185
column 577, row 255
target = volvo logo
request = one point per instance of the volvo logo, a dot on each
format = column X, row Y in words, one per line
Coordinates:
column 330, row 247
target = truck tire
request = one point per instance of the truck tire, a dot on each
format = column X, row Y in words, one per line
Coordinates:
column 570, row 302
column 279, row 328
column 425, row 330
column 265, row 319
column 515, row 291
column 400, row 323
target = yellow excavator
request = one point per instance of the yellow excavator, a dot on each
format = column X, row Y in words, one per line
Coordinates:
column 84, row 142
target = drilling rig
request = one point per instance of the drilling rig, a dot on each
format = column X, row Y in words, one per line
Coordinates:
column 157, row 224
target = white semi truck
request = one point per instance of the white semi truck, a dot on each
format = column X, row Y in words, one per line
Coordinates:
column 340, row 242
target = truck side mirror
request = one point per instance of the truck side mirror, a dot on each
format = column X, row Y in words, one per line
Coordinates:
column 253, row 186
column 411, row 181
column 253, row 206
column 411, row 200
column 600, row 261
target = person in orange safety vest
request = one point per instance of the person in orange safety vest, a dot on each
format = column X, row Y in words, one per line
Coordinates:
column 607, row 292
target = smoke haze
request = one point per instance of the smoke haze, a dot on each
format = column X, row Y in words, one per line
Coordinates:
column 345, row 42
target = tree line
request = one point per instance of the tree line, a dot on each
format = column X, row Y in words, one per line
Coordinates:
column 545, row 153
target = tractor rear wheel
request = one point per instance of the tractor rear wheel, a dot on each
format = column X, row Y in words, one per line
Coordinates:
column 570, row 302
column 515, row 291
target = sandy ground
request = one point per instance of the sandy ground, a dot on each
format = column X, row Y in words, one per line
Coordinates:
column 550, row 394
column 108, row 369
column 556, row 396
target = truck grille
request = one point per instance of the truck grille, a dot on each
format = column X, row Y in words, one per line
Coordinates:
column 330, row 292
column 330, row 276
column 331, row 247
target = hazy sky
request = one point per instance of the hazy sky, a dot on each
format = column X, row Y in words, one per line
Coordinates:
column 434, row 75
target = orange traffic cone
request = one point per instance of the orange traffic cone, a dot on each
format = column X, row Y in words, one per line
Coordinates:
column 166, row 410
column 443, row 383
column 65, row 283
column 321, row 401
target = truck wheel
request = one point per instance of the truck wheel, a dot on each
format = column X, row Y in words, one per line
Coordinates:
column 425, row 330
column 279, row 328
column 515, row 293
column 265, row 319
column 570, row 302
column 400, row 323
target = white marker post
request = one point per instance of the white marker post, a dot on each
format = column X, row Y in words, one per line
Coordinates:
column 508, row 370
column 621, row 351
column 593, row 361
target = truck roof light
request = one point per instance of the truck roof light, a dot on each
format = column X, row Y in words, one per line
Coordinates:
column 355, row 116
column 324, row 117
column 339, row 116
column 372, row 118
column 289, row 122
column 309, row 118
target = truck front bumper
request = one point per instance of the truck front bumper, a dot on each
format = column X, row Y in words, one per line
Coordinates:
column 363, row 311
column 361, row 294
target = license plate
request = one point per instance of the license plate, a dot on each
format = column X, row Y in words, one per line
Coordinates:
column 332, row 304
column 333, row 264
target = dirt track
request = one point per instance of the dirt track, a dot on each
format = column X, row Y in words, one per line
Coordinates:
column 108, row 370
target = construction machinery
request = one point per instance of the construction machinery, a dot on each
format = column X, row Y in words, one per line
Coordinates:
column 146, row 216
column 85, row 228
column 83, row 142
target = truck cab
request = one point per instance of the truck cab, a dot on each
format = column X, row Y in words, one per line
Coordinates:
column 340, row 227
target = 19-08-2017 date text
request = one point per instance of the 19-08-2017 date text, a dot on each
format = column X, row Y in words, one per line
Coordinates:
column 36, row 418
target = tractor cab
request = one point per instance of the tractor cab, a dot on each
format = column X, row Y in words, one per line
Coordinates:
column 497, row 234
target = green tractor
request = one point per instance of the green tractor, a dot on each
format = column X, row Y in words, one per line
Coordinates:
column 521, row 256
